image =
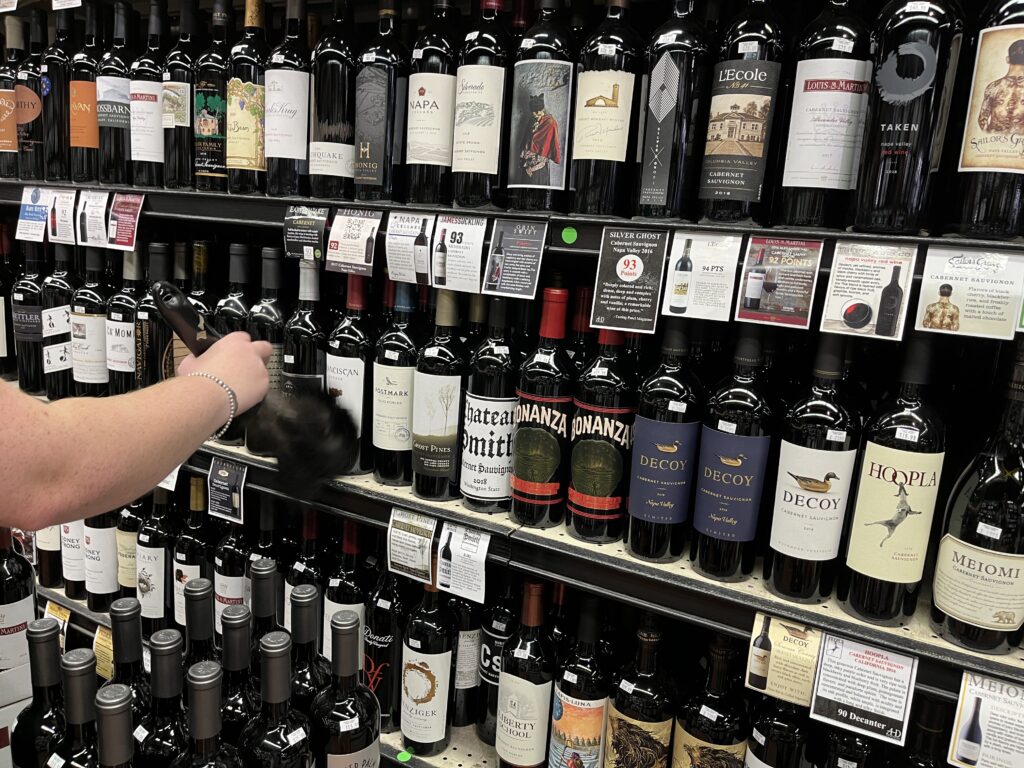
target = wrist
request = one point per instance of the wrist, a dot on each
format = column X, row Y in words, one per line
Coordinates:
column 229, row 400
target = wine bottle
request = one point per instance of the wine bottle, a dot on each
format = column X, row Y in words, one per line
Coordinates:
column 266, row 607
column 287, row 112
column 48, row 566
column 279, row 734
column 113, row 103
column 199, row 634
column 89, row 328
column 557, row 624
column 29, row 98
column 306, row 568
column 99, row 555
column 232, row 311
column 83, row 126
column 382, row 71
column 17, row 603
column 266, row 323
column 489, row 417
column 583, row 341
column 206, row 746
column 191, row 556
column 497, row 626
column 394, row 366
column 887, row 535
column 431, row 115
column 608, row 111
column 541, row 445
column 847, row 750
column 382, row 648
column 715, row 718
column 38, row 728
column 346, row 715
column 146, row 93
column 475, row 325
column 230, row 584
column 304, row 338
column 246, row 96
column 349, row 349
column 779, row 737
column 129, row 521
column 126, row 640
column 820, row 437
column 439, row 386
column 27, row 319
column 154, row 557
column 480, row 140
column 664, row 447
column 602, row 435
column 310, row 670
column 528, row 669
column 466, row 684
column 740, row 149
column 928, row 739
column 676, row 107
column 238, row 704
column 428, row 664
column 57, row 291
column 72, row 560
column 734, row 445
column 77, row 745
column 154, row 352
column 115, row 746
column 969, row 602
column 333, row 115
column 161, row 735
column 14, row 38
column 833, row 78
column 122, row 309
column 212, row 69
column 56, row 101
column 907, row 114
column 542, row 83
column 344, row 591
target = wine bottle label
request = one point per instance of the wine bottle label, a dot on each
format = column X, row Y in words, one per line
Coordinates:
column 541, row 437
column 127, row 575
column 753, row 761
column 183, row 574
column 147, row 130
column 539, row 141
column 729, row 483
column 663, row 454
column 100, row 559
column 669, row 83
column 688, row 751
column 426, row 678
column 27, row 320
column 826, row 127
column 968, row 751
column 245, row 143
column 8, row 121
column 120, row 346
column 89, row 348
column 811, row 494
column 375, row 103
column 85, row 130
column 431, row 113
column 523, row 712
column 892, row 518
column 623, row 735
column 14, row 619
column 331, row 608
column 680, row 298
column 48, row 538
column 435, row 424
column 368, row 757
column 56, row 321
column 151, row 576
column 71, row 535
column 287, row 114
column 211, row 127
column 467, row 655
column 346, row 377
column 392, row 407
column 978, row 586
column 479, row 101
column 487, row 426
column 227, row 590
column 29, row 108
column 577, row 726
column 57, row 357
column 760, row 661
column 332, row 158
column 113, row 102
column 992, row 132
column 378, row 650
column 604, row 106
column 743, row 95
column 177, row 105
column 601, row 441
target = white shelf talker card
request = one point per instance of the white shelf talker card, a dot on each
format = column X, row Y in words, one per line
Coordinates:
column 408, row 247
column 988, row 725
column 457, row 252
column 410, row 535
column 461, row 562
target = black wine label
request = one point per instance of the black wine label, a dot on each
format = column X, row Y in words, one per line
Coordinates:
column 378, row 651
column 540, row 448
column 660, row 135
column 374, row 103
column 743, row 96
column 663, row 455
column 211, row 127
column 601, row 441
column 27, row 321
column 492, row 643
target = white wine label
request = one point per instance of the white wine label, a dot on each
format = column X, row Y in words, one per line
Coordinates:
column 89, row 348
column 467, row 671
column 604, row 104
column 479, row 101
column 227, row 590
column 331, row 158
column 14, row 619
column 687, row 750
column 56, row 321
column 48, row 538
column 57, row 357
column 431, row 112
column 978, row 586
column 893, row 515
column 151, row 575
column 623, row 733
column 830, row 101
column 811, row 494
column 425, row 681
column 147, row 131
column 759, row 663
column 364, row 758
column 71, row 557
column 523, row 712
column 127, row 576
column 577, row 725
column 287, row 114
column 100, row 558
column 435, row 424
column 751, row 760
column 120, row 346
column 487, row 427
column 177, row 104
column 392, row 407
column 331, row 608
column 183, row 574
column 346, row 382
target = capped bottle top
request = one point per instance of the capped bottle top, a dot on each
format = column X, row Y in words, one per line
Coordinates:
column 14, row 33
column 42, row 630
column 931, row 714
column 917, row 360
column 270, row 252
column 264, row 568
column 609, row 338
column 304, row 595
column 159, row 262
column 830, row 357
column 272, row 268
column 447, row 313
column 477, row 308
column 748, row 347
column 221, row 13
column 236, row 625
column 180, row 261
column 197, row 494
column 590, row 627
column 80, row 661
column 533, row 604
column 552, row 315
column 125, row 609
column 126, row 629
column 95, row 261
column 165, row 663
column 115, row 745
column 204, row 682
column 44, row 652
column 404, row 301
column 263, row 574
column 675, row 341
column 204, row 675
column 497, row 312
column 275, row 644
column 386, row 8
column 37, row 27
column 309, row 281
column 492, row 5
column 345, row 643
column 131, row 265
column 113, row 699
column 165, row 642
column 295, row 9
column 63, row 253
column 198, row 589
column 79, row 672
column 238, row 263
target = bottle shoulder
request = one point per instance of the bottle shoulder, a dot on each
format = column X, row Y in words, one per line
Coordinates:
column 683, row 35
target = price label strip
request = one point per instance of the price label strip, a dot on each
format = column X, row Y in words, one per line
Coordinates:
column 352, row 242
column 91, row 218
column 988, row 726
column 62, row 615
column 226, row 486
column 627, row 288
column 304, row 227
column 410, row 536
column 863, row 688
column 782, row 658
column 103, row 647
column 461, row 562
column 513, row 262
column 123, row 224
column 458, row 251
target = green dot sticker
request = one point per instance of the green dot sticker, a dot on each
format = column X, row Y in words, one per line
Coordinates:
column 403, row 757
column 569, row 235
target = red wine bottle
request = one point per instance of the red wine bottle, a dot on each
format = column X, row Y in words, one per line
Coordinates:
column 122, row 311
column 780, row 735
column 84, row 134
column 310, row 670
column 126, row 639
column 206, row 748
column 266, row 323
column 350, row 349
column 153, row 337
column 27, row 319
column 498, row 623
column 382, row 648
column 57, row 99
column 178, row 101
column 113, row 105
column 344, row 592
column 246, row 96
column 210, row 121
column 162, row 734
column 49, row 572
column 72, row 560
column 306, row 568
column 304, row 337
column 266, row 607
column 465, row 700
column 192, row 559
column 582, row 343
column 154, row 558
column 77, row 745
column 89, row 329
column 287, row 108
column 232, row 311
column 17, row 600
column 146, row 89
column 40, row 725
column 114, row 743
column 394, row 367
column 99, row 555
column 58, row 290
column 29, row 91
column 333, row 115
column 239, row 704
column 14, row 38
column 199, row 635
column 231, row 585
column 129, row 521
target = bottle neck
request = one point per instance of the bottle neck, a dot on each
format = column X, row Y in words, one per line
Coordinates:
column 682, row 8
column 254, row 17
column 275, row 711
column 204, row 751
column 719, row 673
column 80, row 735
column 303, row 652
column 164, row 706
column 386, row 24
column 910, row 391
column 647, row 656
column 125, row 671
column 616, row 13
column 46, row 696
column 344, row 684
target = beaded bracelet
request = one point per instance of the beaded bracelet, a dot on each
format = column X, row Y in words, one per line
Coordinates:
column 232, row 400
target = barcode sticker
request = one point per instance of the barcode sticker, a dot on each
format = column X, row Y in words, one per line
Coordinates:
column 289, row 358
column 626, row 685
column 668, row 37
column 502, row 350
column 599, row 370
column 296, row 736
column 757, row 736
column 569, row 677
column 605, row 49
column 299, row 566
column 218, row 562
column 279, row 57
column 841, row 44
column 369, row 56
column 417, row 53
column 414, row 643
column 527, row 42
column 385, row 604
column 919, row 7
column 80, row 310
column 521, row 653
column 18, row 297
column 836, row 435
column 55, row 761
column 544, row 357
column 432, row 351
column 141, row 315
column 726, row 426
column 910, row 434
column 677, row 406
column 499, row 626
column 748, row 46
column 333, row 582
column 348, row 725
column 255, row 556
column 167, row 77
column 140, row 733
column 391, row 354
column 842, row 762
column 115, row 316
column 709, row 713
column 472, row 35
column 991, row 531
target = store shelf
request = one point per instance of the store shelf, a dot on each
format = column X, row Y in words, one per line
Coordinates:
column 464, row 751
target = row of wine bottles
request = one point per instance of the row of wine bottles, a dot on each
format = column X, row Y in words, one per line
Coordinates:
column 681, row 125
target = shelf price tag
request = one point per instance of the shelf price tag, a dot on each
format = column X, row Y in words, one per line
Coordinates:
column 62, row 217
column 304, row 227
column 458, row 250
column 103, row 647
column 988, row 726
column 701, row 275
column 863, row 688
column 628, row 282
column 513, row 262
column 62, row 615
column 91, row 218
column 782, row 658
column 170, row 482
column 778, row 281
column 34, row 214
column 123, row 224
column 408, row 246
column 461, row 562
column 352, row 241
column 410, row 535
column 226, row 485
